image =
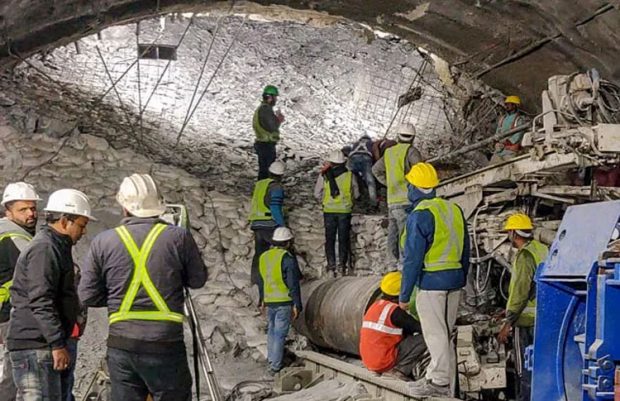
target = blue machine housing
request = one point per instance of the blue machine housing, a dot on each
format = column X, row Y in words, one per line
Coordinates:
column 577, row 332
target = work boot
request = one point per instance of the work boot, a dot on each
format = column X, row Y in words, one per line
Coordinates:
column 429, row 389
column 396, row 374
column 417, row 383
column 330, row 271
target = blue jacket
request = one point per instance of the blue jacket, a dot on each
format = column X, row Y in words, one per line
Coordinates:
column 274, row 199
column 420, row 234
column 291, row 276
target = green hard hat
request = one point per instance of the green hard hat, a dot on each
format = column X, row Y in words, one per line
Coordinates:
column 270, row 90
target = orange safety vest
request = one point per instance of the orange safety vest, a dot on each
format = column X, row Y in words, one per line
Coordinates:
column 379, row 338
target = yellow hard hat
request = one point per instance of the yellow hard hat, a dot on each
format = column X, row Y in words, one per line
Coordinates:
column 518, row 221
column 513, row 99
column 423, row 175
column 390, row 284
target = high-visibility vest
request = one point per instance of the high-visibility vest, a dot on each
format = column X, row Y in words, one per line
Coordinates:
column 5, row 294
column 262, row 135
column 447, row 247
column 379, row 337
column 258, row 209
column 539, row 253
column 394, row 159
column 141, row 278
column 343, row 203
column 270, row 268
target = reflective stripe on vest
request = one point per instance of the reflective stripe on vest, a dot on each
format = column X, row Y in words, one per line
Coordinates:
column 262, row 135
column 447, row 247
column 539, row 253
column 394, row 159
column 343, row 203
column 379, row 337
column 141, row 277
column 258, row 209
column 270, row 268
column 5, row 294
column 379, row 325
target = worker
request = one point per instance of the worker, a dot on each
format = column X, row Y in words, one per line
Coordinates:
column 139, row 270
column 279, row 294
column 390, row 170
column 360, row 163
column 509, row 147
column 45, row 302
column 521, row 306
column 266, row 213
column 17, row 228
column 391, row 340
column 436, row 261
column 266, row 124
column 336, row 189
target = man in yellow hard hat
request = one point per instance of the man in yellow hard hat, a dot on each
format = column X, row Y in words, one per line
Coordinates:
column 436, row 261
column 521, row 305
column 509, row 147
column 390, row 339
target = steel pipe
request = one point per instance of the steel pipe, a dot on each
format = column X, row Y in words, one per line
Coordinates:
column 334, row 309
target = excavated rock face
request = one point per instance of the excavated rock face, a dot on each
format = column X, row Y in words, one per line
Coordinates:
column 513, row 46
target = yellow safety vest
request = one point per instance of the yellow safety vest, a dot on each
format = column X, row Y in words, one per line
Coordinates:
column 140, row 278
column 447, row 247
column 5, row 294
column 270, row 267
column 343, row 203
column 539, row 253
column 258, row 209
column 262, row 135
column 394, row 159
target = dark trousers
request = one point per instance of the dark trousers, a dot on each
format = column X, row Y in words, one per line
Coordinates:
column 266, row 152
column 523, row 337
column 135, row 375
column 337, row 225
column 410, row 354
column 262, row 242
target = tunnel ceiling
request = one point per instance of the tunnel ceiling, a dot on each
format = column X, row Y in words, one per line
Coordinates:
column 512, row 45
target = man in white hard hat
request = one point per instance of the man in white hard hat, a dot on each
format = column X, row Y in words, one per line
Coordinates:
column 138, row 270
column 16, row 229
column 390, row 171
column 279, row 293
column 266, row 213
column 45, row 303
column 336, row 189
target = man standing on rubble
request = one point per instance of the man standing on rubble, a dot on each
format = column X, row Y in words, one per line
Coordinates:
column 391, row 339
column 266, row 125
column 16, row 230
column 266, row 213
column 360, row 163
column 390, row 170
column 436, row 261
column 45, row 303
column 336, row 189
column 521, row 305
column 280, row 293
column 509, row 147
column 138, row 270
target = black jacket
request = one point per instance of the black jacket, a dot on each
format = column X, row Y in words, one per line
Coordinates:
column 45, row 303
column 174, row 263
column 10, row 248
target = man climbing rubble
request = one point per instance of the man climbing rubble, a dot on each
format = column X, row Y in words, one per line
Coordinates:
column 391, row 339
column 266, row 213
column 509, row 147
column 138, row 270
column 336, row 189
column 266, row 124
column 45, row 303
column 436, row 261
column 16, row 230
column 360, row 163
column 521, row 306
column 279, row 293
column 390, row 170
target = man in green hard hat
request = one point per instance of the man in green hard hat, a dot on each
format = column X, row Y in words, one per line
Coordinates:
column 266, row 125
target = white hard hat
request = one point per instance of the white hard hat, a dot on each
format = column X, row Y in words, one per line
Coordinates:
column 138, row 194
column 69, row 201
column 406, row 132
column 336, row 157
column 19, row 191
column 277, row 168
column 282, row 234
